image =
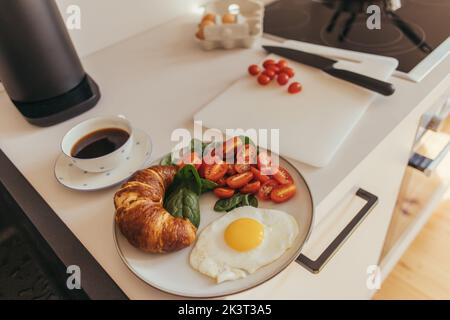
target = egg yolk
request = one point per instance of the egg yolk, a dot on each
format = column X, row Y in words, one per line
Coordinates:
column 244, row 234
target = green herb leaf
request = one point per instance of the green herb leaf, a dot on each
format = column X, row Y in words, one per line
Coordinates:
column 196, row 145
column 208, row 185
column 228, row 204
column 167, row 160
column 253, row 201
column 246, row 140
column 185, row 203
column 187, row 177
column 245, row 201
column 236, row 201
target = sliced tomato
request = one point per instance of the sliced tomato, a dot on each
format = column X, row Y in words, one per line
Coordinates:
column 266, row 189
column 264, row 160
column 209, row 156
column 239, row 180
column 247, row 154
column 283, row 193
column 283, row 176
column 266, row 164
column 191, row 158
column 259, row 176
column 213, row 153
column 214, row 172
column 231, row 145
column 241, row 168
column 222, row 182
column 252, row 187
column 201, row 170
column 224, row 193
column 231, row 170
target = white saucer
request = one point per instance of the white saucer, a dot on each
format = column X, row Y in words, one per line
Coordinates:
column 74, row 178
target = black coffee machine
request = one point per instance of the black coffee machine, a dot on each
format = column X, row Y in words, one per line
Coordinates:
column 39, row 67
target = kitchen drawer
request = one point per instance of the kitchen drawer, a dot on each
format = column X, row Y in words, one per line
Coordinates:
column 346, row 274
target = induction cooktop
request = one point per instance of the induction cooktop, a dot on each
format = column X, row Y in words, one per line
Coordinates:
column 416, row 32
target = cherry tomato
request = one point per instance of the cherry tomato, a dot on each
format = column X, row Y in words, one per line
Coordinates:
column 231, row 170
column 264, row 160
column 266, row 189
column 254, row 70
column 222, row 182
column 239, row 180
column 241, row 168
column 282, row 64
column 270, row 73
column 191, row 158
column 209, row 156
column 265, row 164
column 214, row 172
column 289, row 71
column 263, row 80
column 283, row 79
column 295, row 87
column 283, row 176
column 283, row 193
column 269, row 62
column 201, row 170
column 273, row 68
column 224, row 193
column 231, row 145
column 259, row 176
column 247, row 154
column 252, row 187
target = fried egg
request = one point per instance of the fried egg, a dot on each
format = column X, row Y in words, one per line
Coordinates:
column 242, row 241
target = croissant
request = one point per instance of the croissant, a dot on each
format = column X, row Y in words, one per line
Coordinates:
column 141, row 217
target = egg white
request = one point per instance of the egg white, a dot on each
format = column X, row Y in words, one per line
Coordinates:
column 214, row 258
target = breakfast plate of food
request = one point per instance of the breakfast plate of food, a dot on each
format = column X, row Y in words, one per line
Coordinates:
column 205, row 227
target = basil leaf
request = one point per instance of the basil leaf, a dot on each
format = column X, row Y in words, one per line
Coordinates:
column 253, row 201
column 196, row 145
column 185, row 203
column 208, row 185
column 237, row 201
column 187, row 177
column 246, row 140
column 166, row 161
column 245, row 202
column 228, row 204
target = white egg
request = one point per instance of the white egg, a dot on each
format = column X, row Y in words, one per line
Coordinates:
column 215, row 257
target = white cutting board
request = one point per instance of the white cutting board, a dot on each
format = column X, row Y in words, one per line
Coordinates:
column 313, row 124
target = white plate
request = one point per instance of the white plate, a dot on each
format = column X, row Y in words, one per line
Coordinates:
column 172, row 272
column 74, row 178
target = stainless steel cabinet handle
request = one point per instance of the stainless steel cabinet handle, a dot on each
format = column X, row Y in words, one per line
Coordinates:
column 317, row 265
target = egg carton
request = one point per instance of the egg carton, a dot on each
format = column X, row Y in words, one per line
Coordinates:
column 242, row 34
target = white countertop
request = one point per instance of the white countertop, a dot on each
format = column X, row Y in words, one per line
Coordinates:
column 158, row 80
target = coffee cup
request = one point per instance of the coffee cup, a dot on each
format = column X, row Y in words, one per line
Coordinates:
column 99, row 144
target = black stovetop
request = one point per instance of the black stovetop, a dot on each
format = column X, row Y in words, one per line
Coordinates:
column 408, row 34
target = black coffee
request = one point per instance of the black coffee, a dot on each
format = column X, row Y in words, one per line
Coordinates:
column 100, row 143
